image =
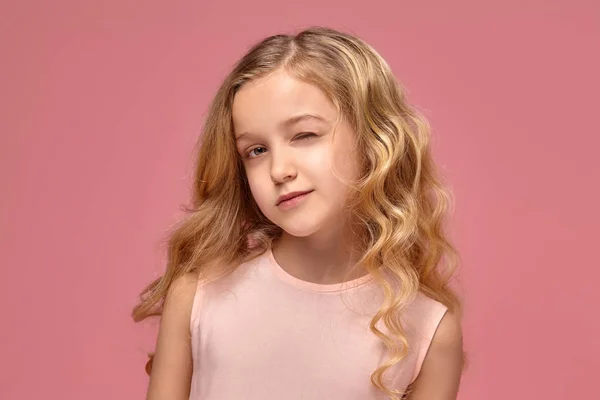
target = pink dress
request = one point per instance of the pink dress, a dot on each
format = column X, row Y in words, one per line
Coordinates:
column 262, row 334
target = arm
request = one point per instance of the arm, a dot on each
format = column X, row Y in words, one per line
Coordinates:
column 440, row 374
column 172, row 365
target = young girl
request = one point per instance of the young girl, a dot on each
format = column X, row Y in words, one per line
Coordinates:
column 313, row 263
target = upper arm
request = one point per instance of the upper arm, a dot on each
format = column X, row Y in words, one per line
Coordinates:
column 439, row 378
column 172, row 365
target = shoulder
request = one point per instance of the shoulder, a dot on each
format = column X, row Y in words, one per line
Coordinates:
column 423, row 315
column 444, row 327
column 182, row 287
column 445, row 324
column 447, row 342
column 449, row 331
column 443, row 361
column 180, row 297
column 183, row 283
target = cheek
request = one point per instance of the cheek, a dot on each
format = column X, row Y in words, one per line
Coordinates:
column 345, row 161
column 318, row 160
column 329, row 166
column 258, row 186
column 334, row 169
column 346, row 167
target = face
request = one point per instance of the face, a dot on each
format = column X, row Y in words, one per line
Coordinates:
column 284, row 130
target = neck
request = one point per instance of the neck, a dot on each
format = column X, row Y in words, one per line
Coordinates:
column 323, row 258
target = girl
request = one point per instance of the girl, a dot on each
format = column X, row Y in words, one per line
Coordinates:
column 310, row 265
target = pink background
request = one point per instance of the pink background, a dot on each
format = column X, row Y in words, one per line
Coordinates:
column 100, row 106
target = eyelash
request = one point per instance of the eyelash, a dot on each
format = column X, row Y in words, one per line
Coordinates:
column 301, row 136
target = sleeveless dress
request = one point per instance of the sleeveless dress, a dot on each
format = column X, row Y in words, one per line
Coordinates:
column 260, row 334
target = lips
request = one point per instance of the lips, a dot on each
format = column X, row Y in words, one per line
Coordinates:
column 290, row 195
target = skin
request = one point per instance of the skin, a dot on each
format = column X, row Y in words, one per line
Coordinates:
column 316, row 245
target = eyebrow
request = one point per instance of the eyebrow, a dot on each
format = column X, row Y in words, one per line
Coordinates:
column 291, row 121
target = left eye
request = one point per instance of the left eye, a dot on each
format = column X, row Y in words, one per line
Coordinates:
column 305, row 135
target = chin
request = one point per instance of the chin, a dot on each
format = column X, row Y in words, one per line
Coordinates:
column 298, row 231
column 302, row 228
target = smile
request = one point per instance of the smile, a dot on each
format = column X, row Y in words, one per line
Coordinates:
column 291, row 201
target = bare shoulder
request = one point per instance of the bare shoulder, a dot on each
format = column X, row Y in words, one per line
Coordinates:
column 448, row 336
column 183, row 287
column 178, row 303
column 440, row 375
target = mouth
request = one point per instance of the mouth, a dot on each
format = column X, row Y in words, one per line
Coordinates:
column 288, row 198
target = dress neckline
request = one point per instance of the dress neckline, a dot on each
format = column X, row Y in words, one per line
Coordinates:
column 311, row 286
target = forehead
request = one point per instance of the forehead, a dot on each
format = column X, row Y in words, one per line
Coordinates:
column 263, row 104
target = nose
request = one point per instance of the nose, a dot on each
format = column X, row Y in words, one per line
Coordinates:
column 282, row 167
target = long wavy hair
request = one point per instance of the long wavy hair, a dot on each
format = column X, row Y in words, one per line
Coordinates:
column 400, row 202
